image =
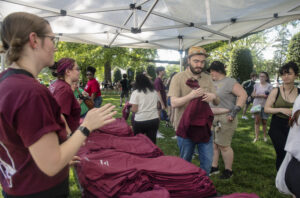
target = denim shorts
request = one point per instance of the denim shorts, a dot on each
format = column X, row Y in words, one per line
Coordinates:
column 262, row 114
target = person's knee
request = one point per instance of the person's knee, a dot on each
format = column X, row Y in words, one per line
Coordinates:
column 224, row 148
column 257, row 121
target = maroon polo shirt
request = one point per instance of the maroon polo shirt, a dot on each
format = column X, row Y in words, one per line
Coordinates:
column 27, row 112
column 92, row 86
column 70, row 107
column 160, row 87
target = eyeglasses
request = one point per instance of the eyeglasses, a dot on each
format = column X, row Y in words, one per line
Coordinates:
column 77, row 68
column 54, row 39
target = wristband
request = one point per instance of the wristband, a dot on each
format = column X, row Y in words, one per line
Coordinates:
column 234, row 111
column 84, row 130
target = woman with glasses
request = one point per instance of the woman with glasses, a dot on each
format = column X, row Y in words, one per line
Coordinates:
column 260, row 95
column 92, row 87
column 279, row 104
column 67, row 71
column 34, row 150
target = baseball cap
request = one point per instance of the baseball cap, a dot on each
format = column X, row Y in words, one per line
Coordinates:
column 195, row 50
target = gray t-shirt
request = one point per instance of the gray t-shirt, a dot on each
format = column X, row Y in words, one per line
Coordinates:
column 224, row 91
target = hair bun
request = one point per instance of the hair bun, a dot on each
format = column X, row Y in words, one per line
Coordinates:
column 16, row 43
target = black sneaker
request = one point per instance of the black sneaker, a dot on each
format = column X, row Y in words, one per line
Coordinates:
column 226, row 174
column 214, row 171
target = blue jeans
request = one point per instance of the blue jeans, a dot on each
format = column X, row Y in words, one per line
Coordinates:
column 205, row 150
column 98, row 102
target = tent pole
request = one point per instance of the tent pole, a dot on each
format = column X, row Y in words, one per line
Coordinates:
column 180, row 38
column 2, row 62
column 181, row 61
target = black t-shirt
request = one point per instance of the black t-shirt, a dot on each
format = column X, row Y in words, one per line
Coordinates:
column 124, row 84
column 248, row 86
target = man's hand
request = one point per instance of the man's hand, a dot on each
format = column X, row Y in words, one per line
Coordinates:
column 196, row 93
column 208, row 97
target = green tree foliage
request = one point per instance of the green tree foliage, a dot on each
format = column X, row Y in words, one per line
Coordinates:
column 139, row 59
column 84, row 54
column 130, row 74
column 281, row 44
column 151, row 71
column 139, row 70
column 117, row 75
column 294, row 49
column 241, row 64
column 170, row 69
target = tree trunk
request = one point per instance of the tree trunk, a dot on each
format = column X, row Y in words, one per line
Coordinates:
column 107, row 70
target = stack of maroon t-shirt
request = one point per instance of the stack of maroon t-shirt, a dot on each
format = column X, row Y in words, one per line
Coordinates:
column 139, row 145
column 113, row 166
column 119, row 128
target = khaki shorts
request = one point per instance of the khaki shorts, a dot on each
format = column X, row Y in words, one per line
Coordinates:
column 223, row 135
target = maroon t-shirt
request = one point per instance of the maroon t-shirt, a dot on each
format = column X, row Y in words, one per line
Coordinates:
column 70, row 107
column 92, row 86
column 27, row 112
column 160, row 87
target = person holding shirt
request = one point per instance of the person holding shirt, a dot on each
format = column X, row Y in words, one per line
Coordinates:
column 34, row 148
column 92, row 87
column 260, row 95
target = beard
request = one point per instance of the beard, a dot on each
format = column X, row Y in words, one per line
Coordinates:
column 194, row 71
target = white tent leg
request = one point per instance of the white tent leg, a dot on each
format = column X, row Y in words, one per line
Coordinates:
column 181, row 61
column 2, row 62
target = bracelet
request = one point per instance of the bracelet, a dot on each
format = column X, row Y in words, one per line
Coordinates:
column 84, row 130
column 234, row 111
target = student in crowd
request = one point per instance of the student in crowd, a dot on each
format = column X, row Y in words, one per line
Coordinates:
column 125, row 89
column 144, row 101
column 232, row 98
column 92, row 87
column 279, row 104
column 67, row 71
column 249, row 86
column 160, row 87
column 170, row 108
column 80, row 94
column 260, row 95
column 34, row 150
column 181, row 95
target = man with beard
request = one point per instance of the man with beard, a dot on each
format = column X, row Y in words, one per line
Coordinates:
column 181, row 95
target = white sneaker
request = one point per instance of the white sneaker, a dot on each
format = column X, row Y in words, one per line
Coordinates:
column 255, row 140
column 244, row 117
column 265, row 139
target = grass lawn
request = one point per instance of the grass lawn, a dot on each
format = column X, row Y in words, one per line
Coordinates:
column 254, row 164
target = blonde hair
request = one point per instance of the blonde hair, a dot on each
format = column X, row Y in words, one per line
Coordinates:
column 15, row 31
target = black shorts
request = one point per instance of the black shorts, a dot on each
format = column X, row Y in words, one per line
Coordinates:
column 292, row 175
column 124, row 93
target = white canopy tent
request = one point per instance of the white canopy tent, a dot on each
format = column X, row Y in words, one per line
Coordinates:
column 163, row 24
